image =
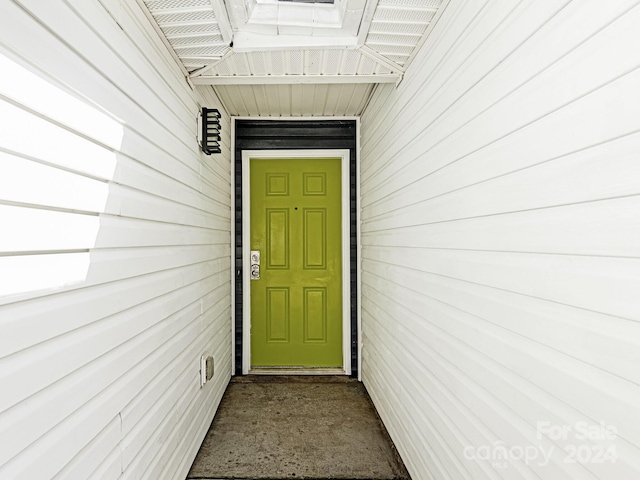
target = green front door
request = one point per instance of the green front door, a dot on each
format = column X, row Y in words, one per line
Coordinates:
column 296, row 304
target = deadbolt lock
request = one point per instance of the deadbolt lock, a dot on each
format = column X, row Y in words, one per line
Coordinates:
column 255, row 264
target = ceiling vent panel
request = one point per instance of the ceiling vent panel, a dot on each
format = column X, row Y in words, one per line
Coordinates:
column 415, row 28
column 154, row 5
column 316, row 50
column 393, row 39
column 200, row 40
column 225, row 68
column 388, row 49
column 276, row 59
column 332, row 62
column 194, row 64
column 242, row 66
column 313, row 62
column 350, row 62
column 187, row 30
column 381, row 70
column 202, row 51
column 366, row 66
column 431, row 4
column 185, row 17
column 404, row 15
column 296, row 62
column 399, row 59
column 257, row 61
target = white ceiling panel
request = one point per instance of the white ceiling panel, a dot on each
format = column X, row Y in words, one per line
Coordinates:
column 199, row 40
column 295, row 100
column 273, row 58
column 168, row 4
column 297, row 62
column 191, row 30
column 433, row 4
column 407, row 28
column 408, row 39
column 199, row 16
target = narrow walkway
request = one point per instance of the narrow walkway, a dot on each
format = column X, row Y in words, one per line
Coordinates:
column 277, row 427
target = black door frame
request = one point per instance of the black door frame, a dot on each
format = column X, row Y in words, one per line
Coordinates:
column 295, row 134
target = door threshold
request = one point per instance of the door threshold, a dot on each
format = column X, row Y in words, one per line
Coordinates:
column 296, row 371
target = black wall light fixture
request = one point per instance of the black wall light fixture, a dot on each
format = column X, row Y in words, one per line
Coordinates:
column 209, row 130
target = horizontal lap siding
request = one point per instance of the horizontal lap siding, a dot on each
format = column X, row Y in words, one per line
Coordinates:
column 115, row 248
column 500, row 258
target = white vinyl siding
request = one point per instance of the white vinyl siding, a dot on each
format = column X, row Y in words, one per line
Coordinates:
column 114, row 248
column 500, row 191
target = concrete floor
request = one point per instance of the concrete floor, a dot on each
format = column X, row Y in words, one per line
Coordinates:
column 277, row 427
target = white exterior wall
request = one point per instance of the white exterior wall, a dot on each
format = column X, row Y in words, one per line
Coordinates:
column 115, row 248
column 501, row 240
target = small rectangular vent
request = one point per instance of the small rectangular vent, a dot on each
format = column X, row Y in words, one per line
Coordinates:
column 206, row 369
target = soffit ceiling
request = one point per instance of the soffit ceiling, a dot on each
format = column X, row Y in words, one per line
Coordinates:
column 291, row 58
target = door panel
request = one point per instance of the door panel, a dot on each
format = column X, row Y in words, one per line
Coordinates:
column 296, row 304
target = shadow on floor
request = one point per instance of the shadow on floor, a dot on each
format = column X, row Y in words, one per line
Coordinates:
column 277, row 427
